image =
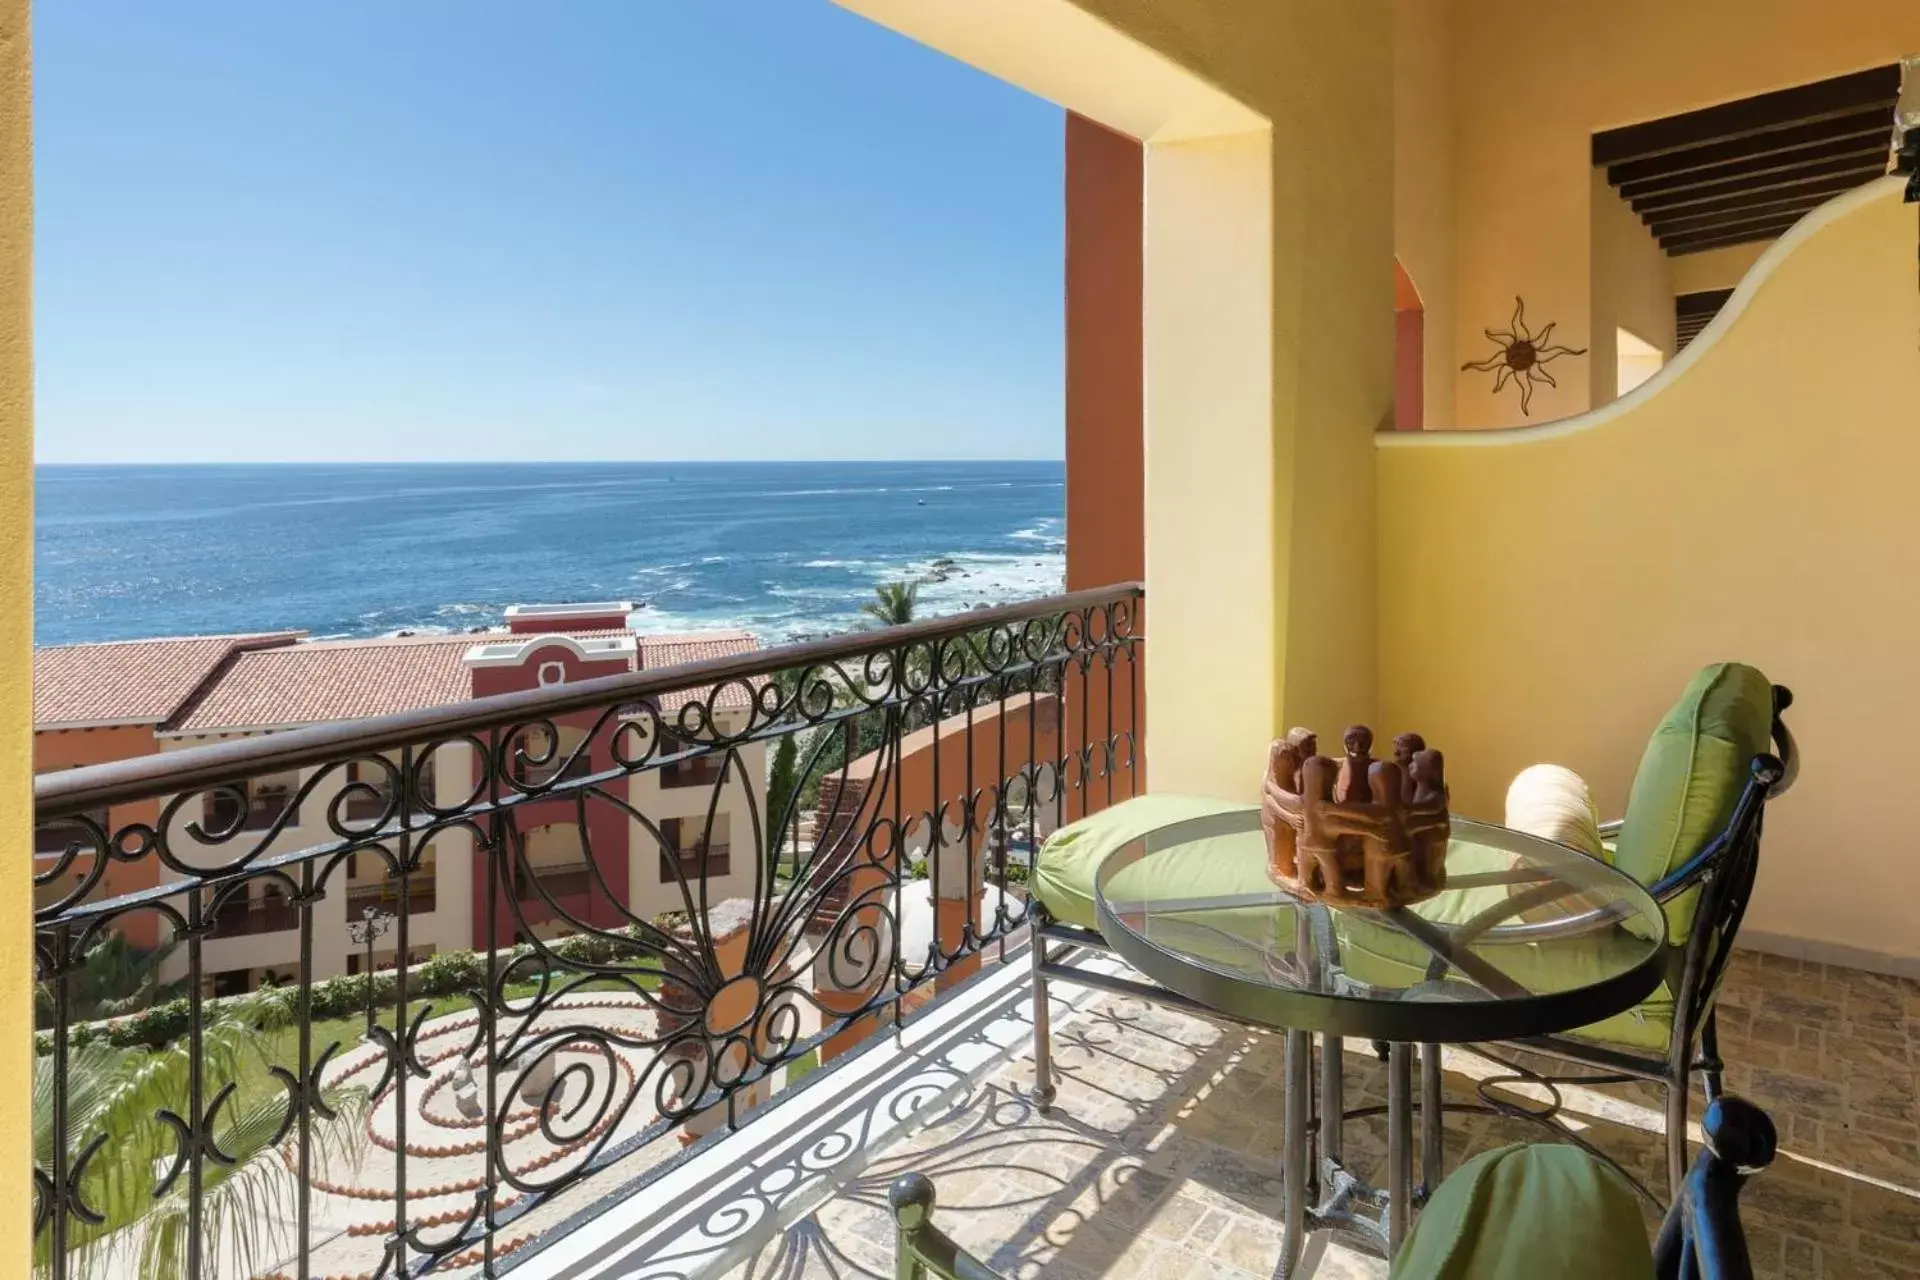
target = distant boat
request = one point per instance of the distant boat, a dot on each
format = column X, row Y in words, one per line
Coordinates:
column 919, row 502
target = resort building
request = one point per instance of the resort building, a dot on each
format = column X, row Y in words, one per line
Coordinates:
column 645, row 836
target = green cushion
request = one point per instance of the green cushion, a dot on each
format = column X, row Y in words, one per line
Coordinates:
column 1690, row 777
column 1209, row 862
column 1385, row 956
column 1062, row 878
column 1524, row 1212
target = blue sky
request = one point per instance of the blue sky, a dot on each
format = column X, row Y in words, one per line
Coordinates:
column 453, row 229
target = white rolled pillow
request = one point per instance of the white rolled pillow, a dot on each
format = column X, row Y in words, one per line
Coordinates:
column 1552, row 802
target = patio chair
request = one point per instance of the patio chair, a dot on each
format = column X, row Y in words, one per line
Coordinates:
column 1554, row 1210
column 1692, row 836
column 1542, row 1210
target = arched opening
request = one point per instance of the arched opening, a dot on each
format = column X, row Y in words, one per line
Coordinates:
column 1409, row 353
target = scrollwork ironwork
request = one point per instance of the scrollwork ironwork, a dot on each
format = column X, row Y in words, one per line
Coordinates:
column 652, row 949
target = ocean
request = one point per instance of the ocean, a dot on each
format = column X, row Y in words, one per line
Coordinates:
column 781, row 549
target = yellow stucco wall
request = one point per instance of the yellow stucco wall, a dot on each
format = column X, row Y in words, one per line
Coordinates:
column 1632, row 290
column 1534, row 79
column 1322, row 74
column 1423, row 187
column 1753, row 501
column 1715, row 268
column 1268, row 127
column 16, row 633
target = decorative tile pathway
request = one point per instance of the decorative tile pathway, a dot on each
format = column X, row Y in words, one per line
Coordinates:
column 1159, row 1157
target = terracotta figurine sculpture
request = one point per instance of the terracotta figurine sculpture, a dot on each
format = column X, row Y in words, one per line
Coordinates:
column 1357, row 831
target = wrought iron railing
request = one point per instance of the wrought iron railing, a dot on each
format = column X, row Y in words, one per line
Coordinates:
column 560, row 1048
column 923, row 1251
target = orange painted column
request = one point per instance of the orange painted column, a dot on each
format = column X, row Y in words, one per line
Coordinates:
column 1106, row 459
column 75, row 748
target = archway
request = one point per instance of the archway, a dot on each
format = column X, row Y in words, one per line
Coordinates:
column 1409, row 352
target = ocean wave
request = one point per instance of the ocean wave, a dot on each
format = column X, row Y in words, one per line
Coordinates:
column 865, row 488
column 1049, row 529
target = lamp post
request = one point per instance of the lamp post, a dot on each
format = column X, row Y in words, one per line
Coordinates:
column 371, row 926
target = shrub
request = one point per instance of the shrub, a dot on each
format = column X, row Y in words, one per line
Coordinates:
column 277, row 1003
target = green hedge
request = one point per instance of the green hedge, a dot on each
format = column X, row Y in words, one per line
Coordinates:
column 450, row 973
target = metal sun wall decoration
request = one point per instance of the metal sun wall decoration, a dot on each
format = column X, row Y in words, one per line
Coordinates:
column 1521, row 357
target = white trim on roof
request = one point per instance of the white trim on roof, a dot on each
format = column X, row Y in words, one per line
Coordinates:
column 514, row 653
column 248, row 730
column 591, row 609
column 236, row 637
column 69, row 726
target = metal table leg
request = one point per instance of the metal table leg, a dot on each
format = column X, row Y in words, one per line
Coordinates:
column 1399, row 1145
column 1298, row 1066
column 1432, row 1138
column 1333, row 1099
column 1332, row 1207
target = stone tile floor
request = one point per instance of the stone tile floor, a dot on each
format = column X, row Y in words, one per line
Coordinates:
column 1159, row 1158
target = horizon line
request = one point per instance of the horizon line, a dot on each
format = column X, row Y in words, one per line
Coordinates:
column 531, row 462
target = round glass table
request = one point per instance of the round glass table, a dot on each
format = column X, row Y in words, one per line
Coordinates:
column 1529, row 938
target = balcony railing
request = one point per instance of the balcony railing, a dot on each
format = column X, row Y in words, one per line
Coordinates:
column 710, row 860
column 697, row 771
column 507, row 1084
column 387, row 897
column 268, row 913
column 566, row 880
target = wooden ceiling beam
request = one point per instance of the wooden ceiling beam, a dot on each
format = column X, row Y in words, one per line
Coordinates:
column 1680, row 245
column 1795, row 205
column 1877, row 122
column 1731, row 224
column 1784, row 108
column 1701, row 302
column 1828, row 175
column 1867, row 149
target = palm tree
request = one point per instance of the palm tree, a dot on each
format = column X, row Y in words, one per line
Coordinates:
column 116, row 978
column 119, row 1093
column 893, row 603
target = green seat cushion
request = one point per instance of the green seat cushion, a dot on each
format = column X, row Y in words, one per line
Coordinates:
column 1063, row 874
column 1386, row 957
column 1524, row 1212
column 1691, row 776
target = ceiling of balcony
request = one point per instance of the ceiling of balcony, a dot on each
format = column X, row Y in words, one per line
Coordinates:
column 1747, row 170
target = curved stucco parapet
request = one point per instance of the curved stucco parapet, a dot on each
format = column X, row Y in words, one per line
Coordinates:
column 1778, row 254
column 1544, row 594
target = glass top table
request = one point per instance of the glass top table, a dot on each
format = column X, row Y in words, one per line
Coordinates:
column 1528, row 938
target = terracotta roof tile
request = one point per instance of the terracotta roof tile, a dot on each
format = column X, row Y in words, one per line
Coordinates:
column 334, row 680
column 346, row 679
column 697, row 646
column 130, row 681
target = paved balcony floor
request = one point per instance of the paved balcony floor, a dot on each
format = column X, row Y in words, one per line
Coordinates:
column 1160, row 1158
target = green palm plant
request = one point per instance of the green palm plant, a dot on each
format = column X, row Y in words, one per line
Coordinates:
column 120, row 1093
column 893, row 604
column 115, row 979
